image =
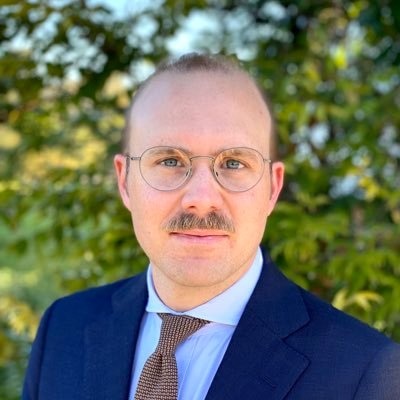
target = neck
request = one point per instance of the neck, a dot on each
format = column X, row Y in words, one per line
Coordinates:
column 185, row 300
column 181, row 296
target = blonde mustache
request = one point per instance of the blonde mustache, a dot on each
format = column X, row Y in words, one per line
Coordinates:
column 189, row 221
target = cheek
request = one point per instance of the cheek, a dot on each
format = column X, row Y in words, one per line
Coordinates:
column 140, row 205
column 254, row 214
column 149, row 208
column 144, row 220
column 142, row 209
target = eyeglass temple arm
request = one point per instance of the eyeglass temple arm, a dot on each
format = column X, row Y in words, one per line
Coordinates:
column 270, row 162
column 129, row 158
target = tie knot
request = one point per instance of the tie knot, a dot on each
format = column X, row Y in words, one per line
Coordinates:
column 175, row 329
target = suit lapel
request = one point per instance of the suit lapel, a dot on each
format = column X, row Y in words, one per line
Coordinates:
column 110, row 344
column 258, row 363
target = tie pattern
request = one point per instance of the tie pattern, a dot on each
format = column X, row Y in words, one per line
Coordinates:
column 159, row 377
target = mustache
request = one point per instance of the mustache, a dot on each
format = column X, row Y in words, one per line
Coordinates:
column 188, row 221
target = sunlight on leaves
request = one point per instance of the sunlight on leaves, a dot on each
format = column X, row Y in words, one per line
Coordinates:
column 362, row 299
column 9, row 138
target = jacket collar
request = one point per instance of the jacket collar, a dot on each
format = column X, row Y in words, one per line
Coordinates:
column 258, row 363
column 110, row 343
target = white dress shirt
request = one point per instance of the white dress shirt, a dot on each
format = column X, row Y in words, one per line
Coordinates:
column 199, row 356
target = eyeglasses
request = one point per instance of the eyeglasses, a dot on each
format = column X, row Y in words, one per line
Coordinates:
column 166, row 168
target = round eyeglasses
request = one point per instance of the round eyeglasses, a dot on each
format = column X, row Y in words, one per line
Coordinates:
column 167, row 168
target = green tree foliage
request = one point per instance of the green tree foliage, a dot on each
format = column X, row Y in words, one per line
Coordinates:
column 67, row 72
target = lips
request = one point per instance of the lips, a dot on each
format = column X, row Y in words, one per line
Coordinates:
column 200, row 232
column 200, row 236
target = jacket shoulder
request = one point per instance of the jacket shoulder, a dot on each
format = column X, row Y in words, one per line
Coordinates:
column 364, row 363
column 95, row 302
column 340, row 325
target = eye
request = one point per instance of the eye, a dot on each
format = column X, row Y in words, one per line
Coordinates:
column 171, row 162
column 231, row 163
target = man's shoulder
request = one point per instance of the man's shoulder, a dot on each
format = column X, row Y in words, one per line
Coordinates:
column 344, row 330
column 341, row 347
column 317, row 320
column 96, row 301
column 317, row 326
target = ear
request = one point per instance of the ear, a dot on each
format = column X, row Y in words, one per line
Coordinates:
column 277, row 172
column 122, row 177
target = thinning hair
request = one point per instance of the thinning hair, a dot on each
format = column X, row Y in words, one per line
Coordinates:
column 195, row 62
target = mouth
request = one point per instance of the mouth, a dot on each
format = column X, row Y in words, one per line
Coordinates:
column 200, row 232
column 200, row 236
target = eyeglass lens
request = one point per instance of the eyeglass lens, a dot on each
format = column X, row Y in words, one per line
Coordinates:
column 167, row 168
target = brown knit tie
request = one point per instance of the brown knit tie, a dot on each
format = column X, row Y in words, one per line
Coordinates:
column 159, row 377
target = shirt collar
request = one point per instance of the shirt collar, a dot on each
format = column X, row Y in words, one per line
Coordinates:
column 226, row 308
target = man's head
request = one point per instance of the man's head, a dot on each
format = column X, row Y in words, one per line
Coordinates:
column 194, row 62
column 199, row 185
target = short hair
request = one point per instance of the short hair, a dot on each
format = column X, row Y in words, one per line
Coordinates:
column 195, row 62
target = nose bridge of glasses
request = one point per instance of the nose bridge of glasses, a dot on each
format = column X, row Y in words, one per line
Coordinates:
column 200, row 156
column 211, row 160
column 210, row 167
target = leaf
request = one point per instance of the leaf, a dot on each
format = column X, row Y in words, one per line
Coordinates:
column 362, row 299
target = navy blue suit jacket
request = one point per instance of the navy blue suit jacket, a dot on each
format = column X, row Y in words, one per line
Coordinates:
column 287, row 345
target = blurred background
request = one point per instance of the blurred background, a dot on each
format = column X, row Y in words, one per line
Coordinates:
column 67, row 72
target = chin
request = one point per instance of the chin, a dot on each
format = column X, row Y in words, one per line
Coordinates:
column 197, row 281
column 201, row 272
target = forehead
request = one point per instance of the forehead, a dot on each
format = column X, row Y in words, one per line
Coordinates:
column 223, row 108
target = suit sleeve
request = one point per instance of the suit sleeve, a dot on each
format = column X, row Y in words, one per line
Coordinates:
column 32, row 376
column 381, row 380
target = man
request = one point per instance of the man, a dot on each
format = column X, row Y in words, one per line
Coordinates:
column 199, row 183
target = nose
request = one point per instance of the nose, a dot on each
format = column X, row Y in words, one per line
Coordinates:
column 202, row 193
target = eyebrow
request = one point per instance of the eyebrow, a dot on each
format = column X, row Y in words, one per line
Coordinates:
column 192, row 154
column 165, row 150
